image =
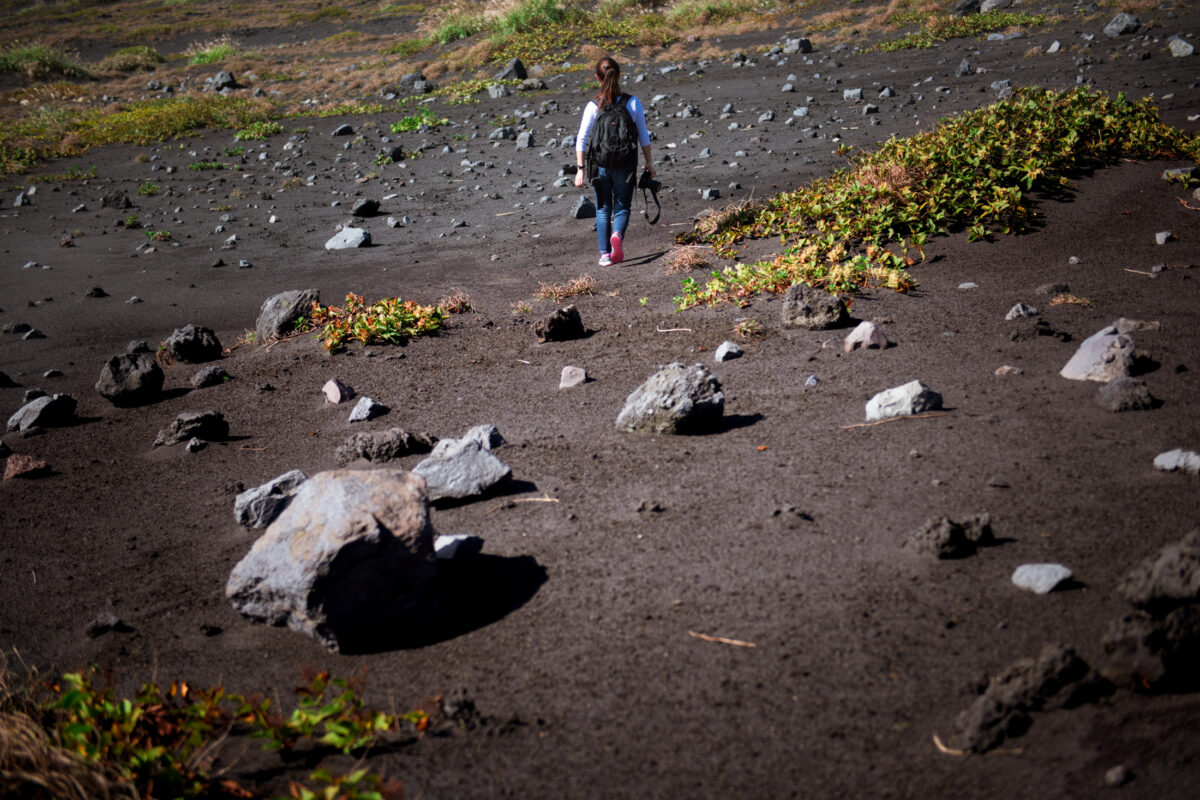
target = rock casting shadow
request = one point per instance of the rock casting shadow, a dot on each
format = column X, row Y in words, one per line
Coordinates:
column 506, row 489
column 474, row 593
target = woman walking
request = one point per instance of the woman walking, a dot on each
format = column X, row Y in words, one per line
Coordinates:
column 614, row 184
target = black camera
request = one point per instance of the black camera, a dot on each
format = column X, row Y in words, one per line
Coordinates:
column 647, row 182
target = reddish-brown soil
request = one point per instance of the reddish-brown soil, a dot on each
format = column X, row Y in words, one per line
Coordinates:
column 576, row 621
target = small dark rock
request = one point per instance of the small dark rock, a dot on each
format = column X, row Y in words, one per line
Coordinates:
column 210, row 376
column 383, row 445
column 193, row 344
column 206, row 425
column 1126, row 394
column 942, row 537
column 560, row 326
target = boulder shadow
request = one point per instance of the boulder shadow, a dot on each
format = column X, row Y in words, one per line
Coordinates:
column 732, row 422
column 506, row 489
column 475, row 593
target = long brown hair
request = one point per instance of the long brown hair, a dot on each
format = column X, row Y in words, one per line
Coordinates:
column 609, row 75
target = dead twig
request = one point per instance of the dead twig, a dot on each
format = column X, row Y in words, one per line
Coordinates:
column 674, row 330
column 1183, row 203
column 545, row 498
column 893, row 419
column 950, row 751
column 721, row 639
column 255, row 449
column 1139, row 272
column 506, row 213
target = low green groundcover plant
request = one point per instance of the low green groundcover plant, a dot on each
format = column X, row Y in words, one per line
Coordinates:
column 424, row 117
column 163, row 743
column 866, row 223
column 391, row 321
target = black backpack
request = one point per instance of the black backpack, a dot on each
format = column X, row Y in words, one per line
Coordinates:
column 613, row 142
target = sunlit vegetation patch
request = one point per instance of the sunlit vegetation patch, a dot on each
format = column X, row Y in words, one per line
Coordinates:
column 868, row 222
column 943, row 27
column 40, row 62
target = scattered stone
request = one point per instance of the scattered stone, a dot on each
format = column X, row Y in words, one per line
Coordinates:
column 1009, row 370
column 224, row 80
column 560, row 326
column 461, row 468
column 194, row 445
column 1040, row 578
column 584, row 208
column 1167, row 580
column 674, row 400
column 349, row 559
column 942, row 537
column 342, row 130
column 193, row 344
column 210, row 376
column 258, row 507
column 964, row 69
column 380, row 446
column 348, row 238
column 33, row 333
column 1162, row 237
column 812, row 309
column 1057, row 678
column 727, row 351
column 457, row 547
column 488, row 436
column 498, row 90
column 365, row 207
column 798, row 45
column 1053, row 288
column 1104, row 356
column 867, row 335
column 337, row 392
column 96, row 291
column 207, row 425
column 1180, row 48
column 710, row 194
column 19, row 465
column 46, row 411
column 1178, row 459
column 1122, row 25
column 116, row 199
column 278, row 314
column 367, row 409
column 852, row 95
column 513, row 70
column 913, row 397
column 968, row 285
column 106, row 622
column 1021, row 311
column 1117, row 776
column 1126, row 394
column 1145, row 652
column 130, row 379
column 572, row 377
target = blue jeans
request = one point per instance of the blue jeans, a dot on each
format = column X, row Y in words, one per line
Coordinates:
column 614, row 197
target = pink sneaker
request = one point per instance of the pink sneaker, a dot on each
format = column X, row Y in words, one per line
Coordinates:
column 618, row 255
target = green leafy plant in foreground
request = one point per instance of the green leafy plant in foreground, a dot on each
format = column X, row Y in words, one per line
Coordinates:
column 864, row 224
column 390, row 320
column 258, row 130
column 148, row 189
column 163, row 743
column 424, row 117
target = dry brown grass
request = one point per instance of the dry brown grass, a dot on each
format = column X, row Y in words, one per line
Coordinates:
column 32, row 768
column 688, row 257
column 1071, row 300
column 457, row 302
column 576, row 287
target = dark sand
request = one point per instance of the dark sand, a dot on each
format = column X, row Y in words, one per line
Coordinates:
column 576, row 620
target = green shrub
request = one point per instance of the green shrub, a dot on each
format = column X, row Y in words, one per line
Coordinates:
column 411, row 123
column 213, row 51
column 131, row 59
column 458, row 26
column 258, row 130
column 165, row 118
column 40, row 62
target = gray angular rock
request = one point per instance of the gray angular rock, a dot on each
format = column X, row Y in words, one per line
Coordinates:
column 1162, row 237
column 342, row 130
column 46, row 411
column 258, row 507
column 1122, row 25
column 380, row 446
column 964, row 8
column 349, row 560
column 503, row 132
column 488, row 436
column 279, row 313
column 207, row 425
column 563, row 324
column 674, row 400
column 525, row 140
column 1168, row 579
column 1040, row 578
column 1180, row 48
column 913, row 397
column 531, row 85
column 337, row 392
column 1178, row 459
column 867, row 335
column 812, row 309
column 116, row 199
column 193, row 344
column 1021, row 311
column 348, row 238
column 457, row 547
column 498, row 90
column 994, row 5
column 365, row 207
column 727, row 351
column 572, row 377
column 1103, row 356
column 584, row 208
column 224, row 80
column 798, row 45
column 130, row 379
column 942, row 537
column 367, row 409
column 461, row 468
column 513, row 70
column 1126, row 394
column 210, row 376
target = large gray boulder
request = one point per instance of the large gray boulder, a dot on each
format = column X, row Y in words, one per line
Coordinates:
column 1122, row 25
column 279, row 313
column 350, row 559
column 348, row 238
column 1104, row 356
column 130, row 379
column 461, row 468
column 913, row 397
column 48, row 411
column 193, row 344
column 676, row 399
column 258, row 507
column 813, row 309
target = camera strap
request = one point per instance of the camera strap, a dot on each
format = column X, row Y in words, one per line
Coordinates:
column 646, row 201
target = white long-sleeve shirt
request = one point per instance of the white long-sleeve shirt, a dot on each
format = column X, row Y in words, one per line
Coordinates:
column 589, row 118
